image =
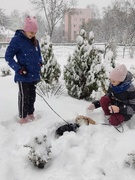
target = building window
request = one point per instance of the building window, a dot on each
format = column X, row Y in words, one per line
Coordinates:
column 75, row 35
column 83, row 20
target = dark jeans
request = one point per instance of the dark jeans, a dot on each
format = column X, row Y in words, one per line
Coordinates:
column 26, row 98
column 116, row 118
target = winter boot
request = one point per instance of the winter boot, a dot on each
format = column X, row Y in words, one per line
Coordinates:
column 106, row 117
column 31, row 117
column 23, row 120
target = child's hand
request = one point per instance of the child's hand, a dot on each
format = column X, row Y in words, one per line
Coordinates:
column 91, row 107
column 23, row 71
column 114, row 109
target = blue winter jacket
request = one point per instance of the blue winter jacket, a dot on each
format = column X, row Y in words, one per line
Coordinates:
column 21, row 52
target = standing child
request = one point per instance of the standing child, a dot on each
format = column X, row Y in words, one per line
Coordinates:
column 25, row 47
column 119, row 102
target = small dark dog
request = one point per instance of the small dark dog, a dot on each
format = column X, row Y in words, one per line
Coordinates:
column 73, row 127
column 67, row 127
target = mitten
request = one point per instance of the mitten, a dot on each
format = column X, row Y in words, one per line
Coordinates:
column 23, row 71
column 91, row 107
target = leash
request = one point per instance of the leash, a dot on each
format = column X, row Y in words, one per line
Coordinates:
column 52, row 108
column 107, row 124
column 116, row 127
column 68, row 123
column 120, row 125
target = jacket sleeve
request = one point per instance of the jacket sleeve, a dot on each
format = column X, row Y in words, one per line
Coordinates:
column 97, row 104
column 11, row 51
column 129, row 108
column 125, row 109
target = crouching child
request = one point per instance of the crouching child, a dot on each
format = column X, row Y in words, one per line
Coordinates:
column 119, row 102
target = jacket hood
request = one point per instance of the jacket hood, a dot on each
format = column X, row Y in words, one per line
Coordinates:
column 129, row 77
column 19, row 32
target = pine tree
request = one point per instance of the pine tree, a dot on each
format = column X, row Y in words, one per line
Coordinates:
column 74, row 70
column 97, row 80
column 84, row 71
column 50, row 71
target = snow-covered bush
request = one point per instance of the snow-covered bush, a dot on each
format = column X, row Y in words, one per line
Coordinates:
column 50, row 70
column 130, row 160
column 40, row 150
column 5, row 71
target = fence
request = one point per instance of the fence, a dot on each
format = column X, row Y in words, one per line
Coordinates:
column 3, row 46
column 64, row 49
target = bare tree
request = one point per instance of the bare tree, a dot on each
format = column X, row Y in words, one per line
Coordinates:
column 94, row 11
column 15, row 20
column 94, row 23
column 119, row 23
column 4, row 20
column 53, row 10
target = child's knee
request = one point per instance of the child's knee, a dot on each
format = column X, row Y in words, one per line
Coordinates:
column 116, row 119
column 104, row 100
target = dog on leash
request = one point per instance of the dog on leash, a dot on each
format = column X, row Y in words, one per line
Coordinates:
column 74, row 126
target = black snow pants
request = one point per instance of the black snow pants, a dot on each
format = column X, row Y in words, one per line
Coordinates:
column 26, row 98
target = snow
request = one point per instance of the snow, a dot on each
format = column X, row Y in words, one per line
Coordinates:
column 95, row 152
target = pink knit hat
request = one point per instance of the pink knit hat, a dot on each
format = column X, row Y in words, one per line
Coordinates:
column 119, row 73
column 30, row 24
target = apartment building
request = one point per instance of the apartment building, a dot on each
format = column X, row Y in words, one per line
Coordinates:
column 73, row 21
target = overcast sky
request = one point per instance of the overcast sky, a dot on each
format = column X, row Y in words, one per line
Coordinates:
column 99, row 3
column 24, row 5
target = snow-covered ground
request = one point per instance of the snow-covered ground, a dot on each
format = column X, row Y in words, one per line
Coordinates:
column 95, row 152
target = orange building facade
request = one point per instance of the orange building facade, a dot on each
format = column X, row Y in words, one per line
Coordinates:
column 73, row 22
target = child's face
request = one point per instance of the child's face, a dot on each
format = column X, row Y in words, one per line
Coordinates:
column 30, row 35
column 115, row 83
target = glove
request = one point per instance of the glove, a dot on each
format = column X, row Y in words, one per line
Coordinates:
column 23, row 71
column 91, row 107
